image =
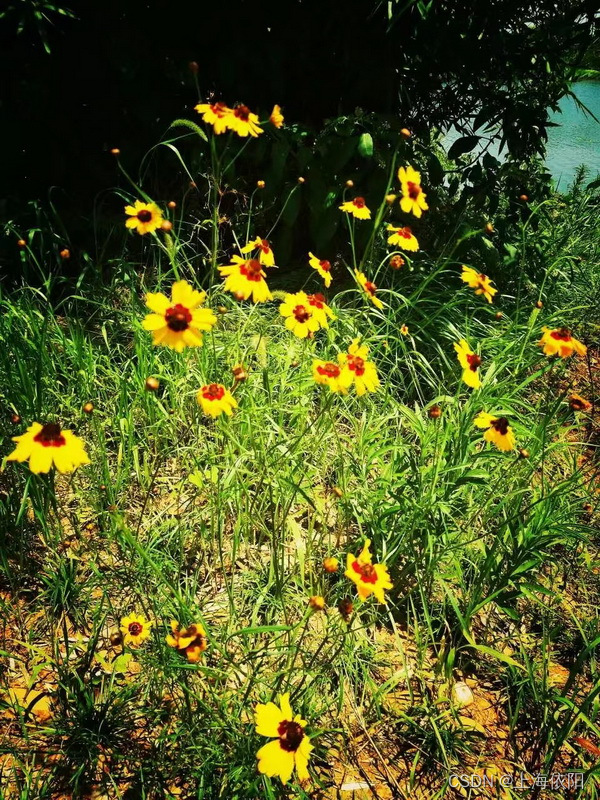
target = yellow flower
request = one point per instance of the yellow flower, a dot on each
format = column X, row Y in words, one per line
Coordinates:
column 327, row 373
column 559, row 341
column 478, row 281
column 363, row 372
column 369, row 288
column 331, row 564
column 216, row 399
column 276, row 117
column 404, row 330
column 191, row 640
column 265, row 254
column 316, row 602
column 144, row 217
column 369, row 578
column 413, row 196
column 498, row 430
column 290, row 747
column 215, row 114
column 403, row 237
column 357, row 208
column 322, row 267
column 319, row 308
column 246, row 278
column 135, row 629
column 178, row 322
column 244, row 122
column 47, row 445
column 300, row 319
column 470, row 362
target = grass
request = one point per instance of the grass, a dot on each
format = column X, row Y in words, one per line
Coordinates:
column 493, row 556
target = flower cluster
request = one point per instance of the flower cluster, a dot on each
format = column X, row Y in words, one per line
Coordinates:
column 238, row 119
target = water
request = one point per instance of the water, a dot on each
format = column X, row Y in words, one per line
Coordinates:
column 577, row 140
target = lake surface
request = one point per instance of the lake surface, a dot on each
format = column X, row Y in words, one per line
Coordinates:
column 577, row 140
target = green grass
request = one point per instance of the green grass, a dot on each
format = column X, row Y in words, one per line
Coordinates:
column 493, row 558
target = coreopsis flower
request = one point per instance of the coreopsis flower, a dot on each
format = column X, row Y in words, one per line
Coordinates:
column 243, row 122
column 215, row 114
column 579, row 403
column 178, row 322
column 404, row 330
column 369, row 288
column 470, row 362
column 413, row 196
column 403, row 237
column 265, row 254
column 144, row 217
column 245, row 278
column 328, row 373
column 290, row 747
column 300, row 318
column 363, row 372
column 318, row 306
column 357, row 208
column 559, row 341
column 323, row 267
column 276, row 117
column 498, row 431
column 215, row 399
column 135, row 629
column 478, row 281
column 331, row 564
column 47, row 445
column 190, row 641
column 369, row 578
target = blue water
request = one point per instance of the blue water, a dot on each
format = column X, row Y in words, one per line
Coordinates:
column 577, row 140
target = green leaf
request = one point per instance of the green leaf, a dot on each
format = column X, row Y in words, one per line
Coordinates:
column 463, row 145
column 365, row 145
column 489, row 651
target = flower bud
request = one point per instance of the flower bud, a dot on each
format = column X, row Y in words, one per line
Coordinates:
column 260, row 184
column 22, row 243
column 172, row 204
column 166, row 225
column 65, row 254
column 346, row 607
column 390, row 198
column 337, row 491
column 15, row 418
column 489, row 228
column 523, row 453
column 331, row 564
column 152, row 384
column 499, row 315
column 435, row 412
column 294, row 363
column 88, row 408
column 523, row 198
column 193, row 67
column 115, row 639
column 405, row 133
column 316, row 602
column 396, row 262
column 301, row 180
column 115, row 151
column 222, row 309
column 539, row 304
column 239, row 373
column 349, row 184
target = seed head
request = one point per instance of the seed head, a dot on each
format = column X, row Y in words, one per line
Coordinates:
column 346, row 607
column 435, row 412
column 396, row 262
column 152, row 384
column 239, row 373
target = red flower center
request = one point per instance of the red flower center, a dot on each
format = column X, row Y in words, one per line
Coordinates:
column 406, row 233
column 359, row 202
column 474, row 361
column 414, row 190
column 214, row 391
column 251, row 269
column 144, row 215
column 242, row 112
column 178, row 318
column 563, row 334
column 356, row 364
column 500, row 425
column 219, row 109
column 290, row 735
column 329, row 369
column 301, row 313
column 134, row 628
column 316, row 300
column 50, row 436
column 265, row 246
column 325, row 265
column 370, row 288
column 367, row 572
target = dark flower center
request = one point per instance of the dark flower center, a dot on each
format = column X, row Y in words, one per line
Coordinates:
column 474, row 361
column 242, row 112
column 325, row 265
column 219, row 109
column 144, row 215
column 370, row 288
column 500, row 425
column 213, row 391
column 265, row 246
column 317, row 300
column 135, row 628
column 329, row 369
column 252, row 269
column 414, row 190
column 563, row 334
column 359, row 202
column 301, row 313
column 290, row 735
column 178, row 318
column 356, row 364
column 405, row 232
column 367, row 572
column 50, row 436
